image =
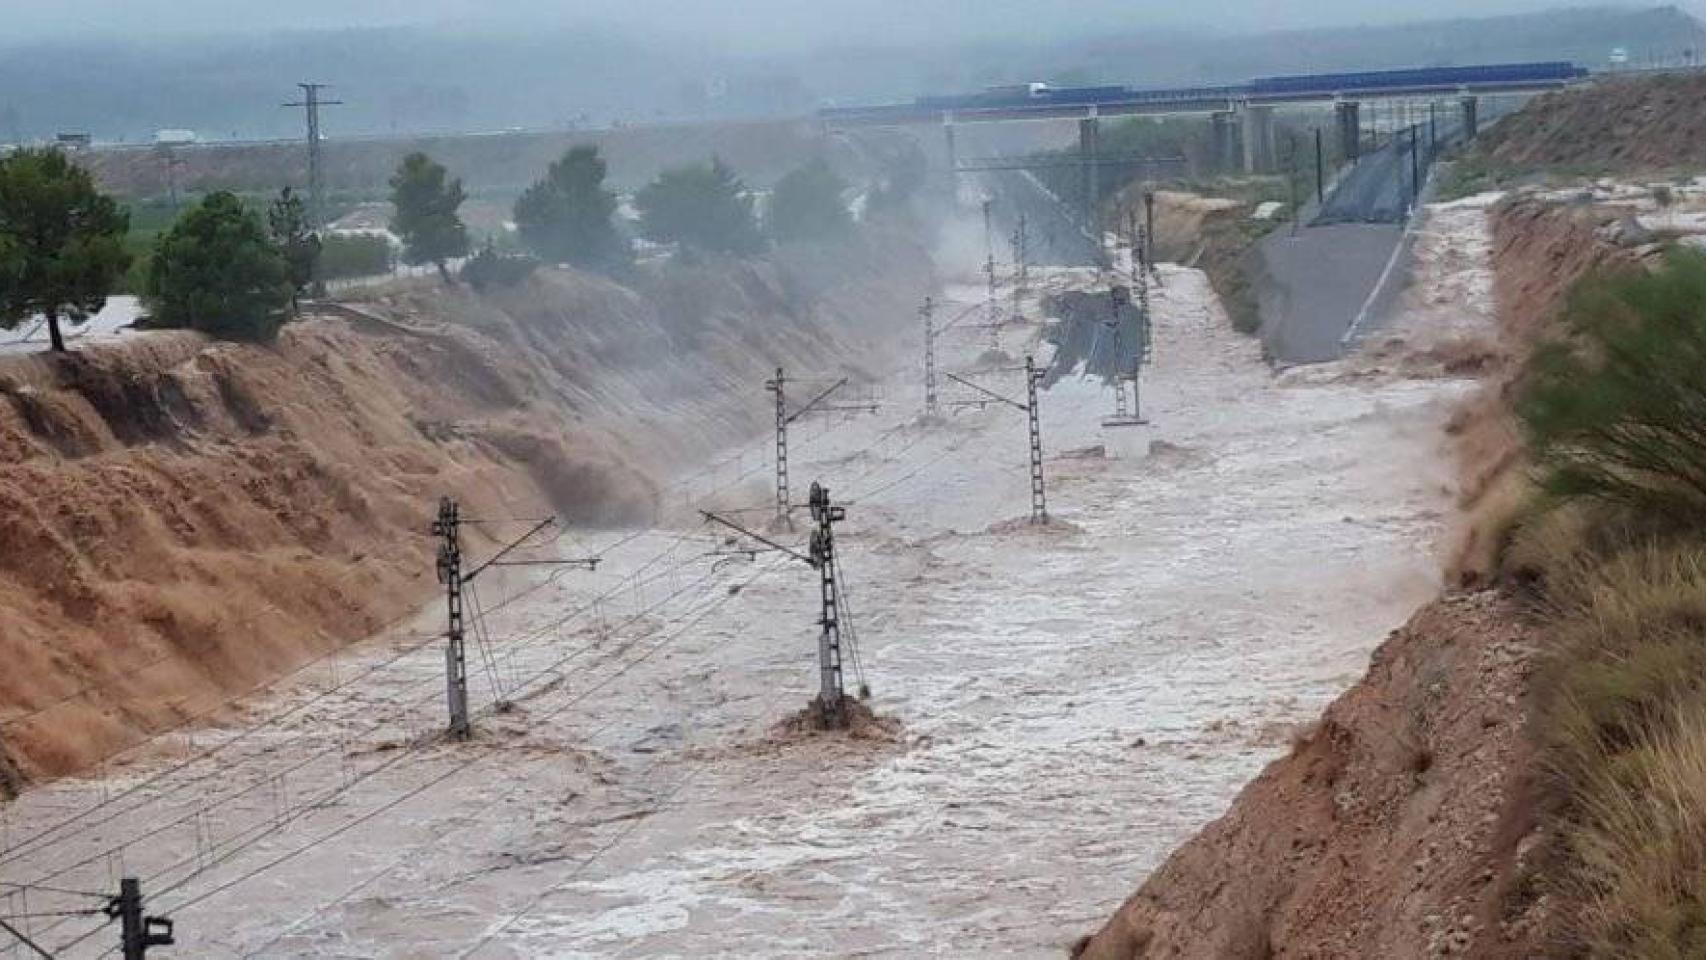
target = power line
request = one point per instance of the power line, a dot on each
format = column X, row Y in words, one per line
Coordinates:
column 311, row 104
column 667, row 551
column 45, row 914
column 45, row 888
column 409, row 855
column 337, row 747
column 33, row 841
column 26, row 941
column 460, row 767
column 275, row 827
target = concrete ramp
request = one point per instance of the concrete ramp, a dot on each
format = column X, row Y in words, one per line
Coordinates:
column 1314, row 285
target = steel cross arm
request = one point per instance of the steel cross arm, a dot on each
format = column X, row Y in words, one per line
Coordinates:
column 797, row 414
column 713, row 518
column 986, row 391
column 501, row 553
column 591, row 563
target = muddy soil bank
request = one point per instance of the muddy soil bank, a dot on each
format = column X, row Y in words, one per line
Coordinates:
column 1403, row 824
column 185, row 520
column 1540, row 248
column 1387, row 832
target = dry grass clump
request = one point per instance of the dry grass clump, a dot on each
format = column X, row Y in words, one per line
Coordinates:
column 1622, row 724
column 1615, row 417
column 1640, row 846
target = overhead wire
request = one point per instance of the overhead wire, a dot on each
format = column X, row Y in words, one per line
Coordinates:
column 62, row 891
column 32, row 841
column 557, row 664
column 627, row 830
column 408, row 855
column 665, row 552
column 467, row 763
column 24, row 939
column 521, row 694
column 397, row 715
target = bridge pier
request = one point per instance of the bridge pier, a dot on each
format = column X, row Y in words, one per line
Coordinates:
column 1089, row 155
column 1259, row 148
column 1350, row 130
column 1471, row 117
column 1223, row 144
column 953, row 155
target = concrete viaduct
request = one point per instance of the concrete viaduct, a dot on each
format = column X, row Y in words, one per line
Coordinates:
column 1242, row 114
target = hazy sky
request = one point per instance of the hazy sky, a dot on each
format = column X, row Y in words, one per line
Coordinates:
column 743, row 23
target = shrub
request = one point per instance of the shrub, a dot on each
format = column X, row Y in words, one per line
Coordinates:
column 346, row 255
column 490, row 270
column 1617, row 411
column 287, row 222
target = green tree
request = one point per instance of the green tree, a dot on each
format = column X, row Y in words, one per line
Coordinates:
column 61, row 241
column 807, row 204
column 566, row 217
column 1617, row 411
column 287, row 222
column 904, row 174
column 704, row 206
column 426, row 213
column 217, row 271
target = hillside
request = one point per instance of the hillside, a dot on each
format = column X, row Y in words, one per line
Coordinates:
column 1645, row 124
column 446, row 79
column 186, row 520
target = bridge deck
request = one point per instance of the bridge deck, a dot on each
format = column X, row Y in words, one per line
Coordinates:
column 1114, row 102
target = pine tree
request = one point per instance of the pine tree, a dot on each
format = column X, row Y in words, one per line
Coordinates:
column 426, row 213
column 807, row 204
column 61, row 242
column 287, row 222
column 566, row 217
column 704, row 206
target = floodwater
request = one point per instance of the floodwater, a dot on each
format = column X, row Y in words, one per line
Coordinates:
column 1067, row 702
column 111, row 321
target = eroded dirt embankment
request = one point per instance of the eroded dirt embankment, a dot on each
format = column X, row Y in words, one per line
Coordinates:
column 183, row 520
column 1540, row 249
column 1403, row 824
column 1625, row 124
